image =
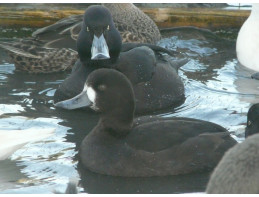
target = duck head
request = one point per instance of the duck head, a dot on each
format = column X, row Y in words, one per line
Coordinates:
column 108, row 92
column 98, row 39
column 252, row 120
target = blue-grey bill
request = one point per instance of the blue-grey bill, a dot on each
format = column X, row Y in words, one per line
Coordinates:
column 78, row 101
column 99, row 48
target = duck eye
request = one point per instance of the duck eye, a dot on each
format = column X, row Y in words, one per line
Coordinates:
column 102, row 87
column 87, row 29
column 249, row 123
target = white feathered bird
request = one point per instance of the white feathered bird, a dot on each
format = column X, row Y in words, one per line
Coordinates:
column 247, row 45
column 12, row 140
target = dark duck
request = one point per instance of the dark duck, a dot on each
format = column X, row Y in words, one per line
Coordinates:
column 237, row 172
column 53, row 48
column 154, row 76
column 133, row 25
column 146, row 146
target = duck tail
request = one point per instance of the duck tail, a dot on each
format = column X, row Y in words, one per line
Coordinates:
column 9, row 47
column 176, row 64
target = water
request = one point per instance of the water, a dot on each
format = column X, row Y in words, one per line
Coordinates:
column 217, row 89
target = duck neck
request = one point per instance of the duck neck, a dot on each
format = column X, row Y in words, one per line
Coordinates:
column 255, row 11
column 118, row 122
column 95, row 64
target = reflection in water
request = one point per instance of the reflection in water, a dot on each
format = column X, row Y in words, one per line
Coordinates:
column 5, row 108
column 217, row 89
column 97, row 183
column 10, row 173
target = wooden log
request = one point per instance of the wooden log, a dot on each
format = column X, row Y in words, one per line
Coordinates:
column 210, row 18
column 199, row 17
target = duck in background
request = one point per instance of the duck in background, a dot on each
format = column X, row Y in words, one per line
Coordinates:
column 133, row 25
column 31, row 56
column 252, row 120
column 238, row 172
column 12, row 140
column 52, row 48
column 154, row 76
column 146, row 146
column 247, row 45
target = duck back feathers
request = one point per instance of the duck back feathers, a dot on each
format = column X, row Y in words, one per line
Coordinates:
column 133, row 24
column 30, row 56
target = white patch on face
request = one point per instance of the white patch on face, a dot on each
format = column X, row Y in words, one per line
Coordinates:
column 90, row 93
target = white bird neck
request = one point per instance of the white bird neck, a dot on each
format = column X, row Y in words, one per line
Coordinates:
column 255, row 11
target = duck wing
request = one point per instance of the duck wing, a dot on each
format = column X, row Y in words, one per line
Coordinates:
column 152, row 76
column 26, row 48
column 30, row 55
column 128, row 46
column 12, row 140
column 133, row 24
column 176, row 64
column 61, row 34
column 157, row 134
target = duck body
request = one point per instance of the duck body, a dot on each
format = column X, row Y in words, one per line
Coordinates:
column 237, row 172
column 153, row 76
column 133, row 25
column 156, row 148
column 247, row 45
column 155, row 82
column 123, row 146
column 252, row 120
column 53, row 48
column 30, row 56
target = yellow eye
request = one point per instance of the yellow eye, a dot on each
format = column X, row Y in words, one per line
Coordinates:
column 87, row 29
column 108, row 27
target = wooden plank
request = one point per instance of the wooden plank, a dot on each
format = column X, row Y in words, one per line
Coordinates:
column 198, row 17
column 164, row 17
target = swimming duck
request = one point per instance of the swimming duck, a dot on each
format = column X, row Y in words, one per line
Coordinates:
column 12, row 140
column 237, row 172
column 31, row 56
column 154, row 77
column 52, row 48
column 247, row 45
column 252, row 120
column 133, row 25
column 147, row 146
